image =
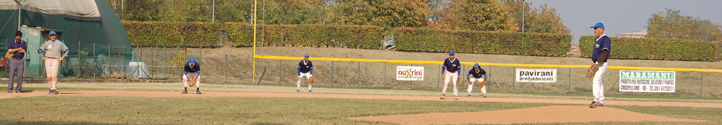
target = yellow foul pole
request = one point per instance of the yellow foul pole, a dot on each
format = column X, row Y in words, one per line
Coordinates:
column 254, row 41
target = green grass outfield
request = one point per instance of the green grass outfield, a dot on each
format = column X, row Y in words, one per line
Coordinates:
column 254, row 110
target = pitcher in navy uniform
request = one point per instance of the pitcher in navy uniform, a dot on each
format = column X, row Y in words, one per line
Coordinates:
column 305, row 68
column 602, row 50
column 450, row 72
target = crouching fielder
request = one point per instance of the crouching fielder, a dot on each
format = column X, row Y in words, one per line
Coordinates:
column 476, row 74
column 192, row 68
column 305, row 68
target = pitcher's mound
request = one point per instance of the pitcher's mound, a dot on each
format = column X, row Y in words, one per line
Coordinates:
column 546, row 114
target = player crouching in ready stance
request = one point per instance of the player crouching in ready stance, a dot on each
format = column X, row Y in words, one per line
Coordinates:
column 477, row 74
column 305, row 68
column 192, row 68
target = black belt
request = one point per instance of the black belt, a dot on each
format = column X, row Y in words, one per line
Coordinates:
column 18, row 58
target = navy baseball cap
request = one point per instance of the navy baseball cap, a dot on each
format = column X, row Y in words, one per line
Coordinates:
column 452, row 53
column 476, row 65
column 53, row 33
column 305, row 56
column 192, row 61
column 598, row 25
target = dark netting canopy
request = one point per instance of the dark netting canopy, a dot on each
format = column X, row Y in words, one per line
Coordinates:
column 89, row 28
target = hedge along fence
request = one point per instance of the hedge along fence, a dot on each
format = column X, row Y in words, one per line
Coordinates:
column 652, row 48
column 172, row 34
column 513, row 43
column 352, row 36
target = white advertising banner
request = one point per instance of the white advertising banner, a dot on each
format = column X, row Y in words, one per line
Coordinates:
column 410, row 73
column 646, row 81
column 536, row 75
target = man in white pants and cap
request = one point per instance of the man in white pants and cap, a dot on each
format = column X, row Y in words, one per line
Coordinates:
column 450, row 72
column 478, row 75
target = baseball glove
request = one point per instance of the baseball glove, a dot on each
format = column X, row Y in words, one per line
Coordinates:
column 482, row 83
column 193, row 82
column 310, row 79
column 592, row 70
column 9, row 55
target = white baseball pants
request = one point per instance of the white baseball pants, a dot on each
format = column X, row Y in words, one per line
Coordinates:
column 476, row 80
column 300, row 77
column 450, row 76
column 185, row 80
column 51, row 71
column 597, row 85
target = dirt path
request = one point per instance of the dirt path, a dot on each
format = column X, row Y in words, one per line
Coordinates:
column 546, row 114
column 345, row 96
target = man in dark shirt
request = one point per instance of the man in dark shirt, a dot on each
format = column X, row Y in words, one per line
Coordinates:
column 450, row 72
column 305, row 68
column 600, row 55
column 192, row 68
column 477, row 75
column 17, row 47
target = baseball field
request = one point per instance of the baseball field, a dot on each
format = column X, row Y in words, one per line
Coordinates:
column 162, row 103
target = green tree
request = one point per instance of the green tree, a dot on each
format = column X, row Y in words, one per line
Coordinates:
column 388, row 14
column 544, row 19
column 487, row 15
column 670, row 24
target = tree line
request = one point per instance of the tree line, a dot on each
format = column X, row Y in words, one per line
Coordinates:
column 479, row 15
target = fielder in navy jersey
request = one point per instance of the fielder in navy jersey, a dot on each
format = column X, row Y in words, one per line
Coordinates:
column 305, row 68
column 477, row 75
column 450, row 72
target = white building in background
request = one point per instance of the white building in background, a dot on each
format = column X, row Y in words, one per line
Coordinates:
column 633, row 34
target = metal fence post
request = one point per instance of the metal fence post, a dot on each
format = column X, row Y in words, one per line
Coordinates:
column 384, row 75
column 226, row 68
column 332, row 74
column 570, row 80
column 701, row 78
column 124, row 72
column 95, row 61
column 280, row 70
column 164, row 57
column 110, row 64
column 513, row 80
column 79, row 61
column 359, row 75
column 439, row 79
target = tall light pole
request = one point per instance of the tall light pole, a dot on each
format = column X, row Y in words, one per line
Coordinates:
column 522, row 15
column 214, row 12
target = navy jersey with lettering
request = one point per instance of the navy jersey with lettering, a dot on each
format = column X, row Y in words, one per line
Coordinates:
column 305, row 67
column 196, row 68
column 451, row 66
column 602, row 43
column 477, row 74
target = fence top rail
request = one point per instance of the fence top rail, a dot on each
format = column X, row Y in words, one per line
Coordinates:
column 485, row 64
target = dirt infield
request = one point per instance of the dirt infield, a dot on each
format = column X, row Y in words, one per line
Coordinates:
column 547, row 114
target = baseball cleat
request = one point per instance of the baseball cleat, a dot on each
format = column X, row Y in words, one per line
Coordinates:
column 310, row 91
column 198, row 91
column 443, row 96
column 455, row 98
column 593, row 105
column 601, row 104
column 297, row 90
column 50, row 92
column 468, row 95
column 484, row 95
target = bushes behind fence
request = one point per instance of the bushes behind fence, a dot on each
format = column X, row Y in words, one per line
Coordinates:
column 514, row 43
column 172, row 34
column 315, row 35
column 653, row 48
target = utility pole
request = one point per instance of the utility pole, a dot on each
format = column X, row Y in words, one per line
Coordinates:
column 523, row 12
column 214, row 12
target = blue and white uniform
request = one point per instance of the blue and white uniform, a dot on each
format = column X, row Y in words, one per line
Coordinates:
column 194, row 70
column 305, row 68
column 601, row 44
column 451, row 72
column 476, row 76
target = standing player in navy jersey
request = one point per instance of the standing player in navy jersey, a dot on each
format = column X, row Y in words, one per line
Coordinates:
column 305, row 68
column 600, row 55
column 450, row 72
column 478, row 75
